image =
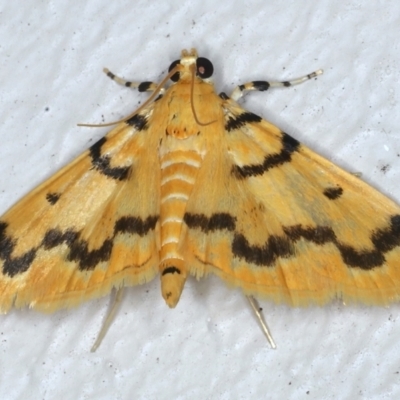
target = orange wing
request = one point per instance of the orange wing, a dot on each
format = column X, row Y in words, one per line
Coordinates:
column 89, row 228
column 283, row 223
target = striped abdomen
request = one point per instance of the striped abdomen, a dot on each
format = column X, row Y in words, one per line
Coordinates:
column 178, row 174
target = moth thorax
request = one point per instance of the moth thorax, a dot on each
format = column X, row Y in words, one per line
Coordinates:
column 173, row 277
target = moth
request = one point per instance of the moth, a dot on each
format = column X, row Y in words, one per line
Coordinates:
column 192, row 184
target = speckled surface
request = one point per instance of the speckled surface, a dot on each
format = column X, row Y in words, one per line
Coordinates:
column 210, row 346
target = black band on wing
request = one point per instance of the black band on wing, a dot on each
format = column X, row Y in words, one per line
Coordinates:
column 138, row 121
column 52, row 198
column 78, row 249
column 283, row 246
column 241, row 120
column 102, row 163
column 333, row 193
column 217, row 221
column 289, row 146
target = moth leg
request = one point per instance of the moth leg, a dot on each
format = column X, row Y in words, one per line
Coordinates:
column 108, row 320
column 264, row 327
column 140, row 86
column 261, row 86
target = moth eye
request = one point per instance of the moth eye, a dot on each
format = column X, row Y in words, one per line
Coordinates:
column 204, row 67
column 174, row 77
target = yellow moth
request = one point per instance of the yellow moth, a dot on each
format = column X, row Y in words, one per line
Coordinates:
column 193, row 184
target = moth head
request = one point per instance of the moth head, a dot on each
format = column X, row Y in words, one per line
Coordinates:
column 189, row 60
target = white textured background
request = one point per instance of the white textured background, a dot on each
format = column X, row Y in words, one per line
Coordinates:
column 209, row 347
